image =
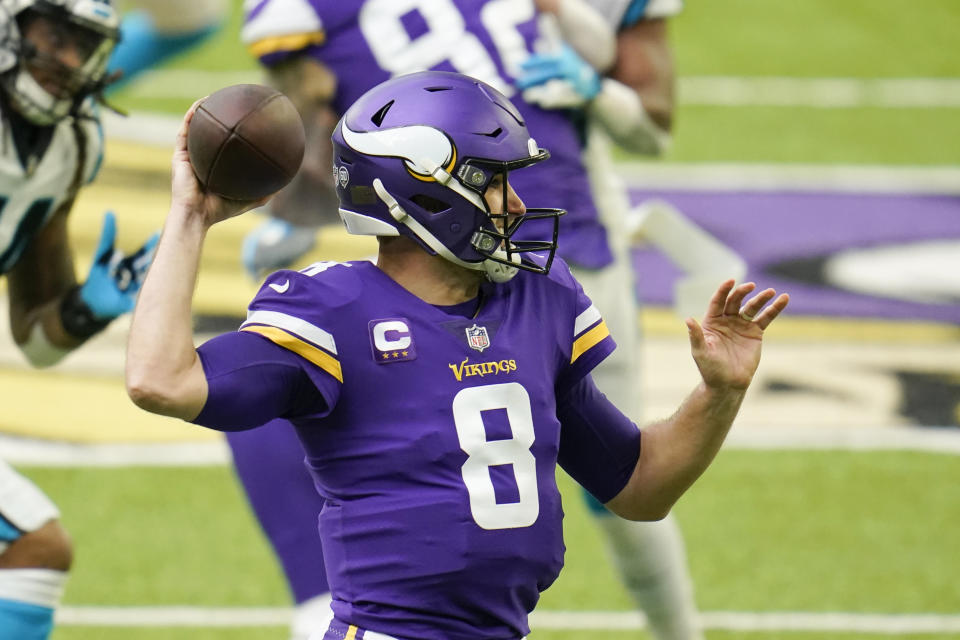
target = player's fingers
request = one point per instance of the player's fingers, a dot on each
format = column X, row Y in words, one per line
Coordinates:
column 753, row 306
column 107, row 235
column 538, row 61
column 716, row 304
column 536, row 77
column 695, row 332
column 768, row 315
column 732, row 304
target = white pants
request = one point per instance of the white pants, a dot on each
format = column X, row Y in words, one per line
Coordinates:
column 22, row 503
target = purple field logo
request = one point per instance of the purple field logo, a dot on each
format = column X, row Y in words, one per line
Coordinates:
column 477, row 338
column 391, row 340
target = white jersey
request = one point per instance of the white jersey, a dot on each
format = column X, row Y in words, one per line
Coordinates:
column 29, row 195
column 617, row 12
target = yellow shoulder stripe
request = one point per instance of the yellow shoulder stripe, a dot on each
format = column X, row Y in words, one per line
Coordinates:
column 303, row 349
column 585, row 342
column 291, row 42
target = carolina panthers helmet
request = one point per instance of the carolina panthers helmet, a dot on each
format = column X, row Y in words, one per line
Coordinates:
column 414, row 156
column 96, row 24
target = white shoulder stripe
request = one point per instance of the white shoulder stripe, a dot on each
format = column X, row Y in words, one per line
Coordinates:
column 278, row 19
column 294, row 325
column 586, row 320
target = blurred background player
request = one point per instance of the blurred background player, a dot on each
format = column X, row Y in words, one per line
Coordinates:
column 324, row 69
column 53, row 57
column 629, row 98
column 153, row 31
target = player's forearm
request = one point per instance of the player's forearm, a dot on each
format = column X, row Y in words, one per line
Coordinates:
column 676, row 451
column 584, row 29
column 163, row 373
column 620, row 111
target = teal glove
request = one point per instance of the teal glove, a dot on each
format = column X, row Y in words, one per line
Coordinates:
column 114, row 280
column 559, row 80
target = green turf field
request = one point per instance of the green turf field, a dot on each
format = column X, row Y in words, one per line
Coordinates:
column 766, row 531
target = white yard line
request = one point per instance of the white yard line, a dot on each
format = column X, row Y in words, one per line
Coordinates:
column 878, row 179
column 891, row 624
column 827, row 93
column 737, row 91
column 31, row 452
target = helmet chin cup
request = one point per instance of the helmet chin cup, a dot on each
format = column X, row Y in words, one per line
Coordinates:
column 34, row 102
column 499, row 272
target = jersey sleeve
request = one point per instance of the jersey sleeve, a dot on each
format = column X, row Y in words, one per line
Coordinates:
column 599, row 445
column 251, row 381
column 588, row 341
column 289, row 311
column 274, row 30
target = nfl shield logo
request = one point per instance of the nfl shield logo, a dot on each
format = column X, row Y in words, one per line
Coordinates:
column 477, row 338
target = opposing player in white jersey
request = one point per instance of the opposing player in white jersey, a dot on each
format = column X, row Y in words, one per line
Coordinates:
column 53, row 56
column 627, row 97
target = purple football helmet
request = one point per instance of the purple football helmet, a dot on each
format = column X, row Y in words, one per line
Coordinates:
column 414, row 156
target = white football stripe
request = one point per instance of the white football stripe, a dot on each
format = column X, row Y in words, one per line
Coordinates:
column 585, row 320
column 294, row 325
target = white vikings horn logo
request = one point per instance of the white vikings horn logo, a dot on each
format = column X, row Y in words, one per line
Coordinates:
column 413, row 143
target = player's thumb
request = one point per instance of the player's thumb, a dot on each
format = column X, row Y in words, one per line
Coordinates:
column 108, row 235
column 695, row 332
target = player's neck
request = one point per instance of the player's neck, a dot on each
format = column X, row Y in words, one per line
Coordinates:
column 429, row 277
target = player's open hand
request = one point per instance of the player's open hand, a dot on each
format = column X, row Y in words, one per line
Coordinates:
column 189, row 195
column 726, row 347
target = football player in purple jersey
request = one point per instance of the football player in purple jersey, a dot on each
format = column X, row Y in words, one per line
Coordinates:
column 436, row 391
column 323, row 55
column 319, row 52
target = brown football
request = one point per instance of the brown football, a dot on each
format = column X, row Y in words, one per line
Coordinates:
column 245, row 141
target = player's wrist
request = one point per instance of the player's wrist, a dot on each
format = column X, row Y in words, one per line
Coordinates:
column 78, row 318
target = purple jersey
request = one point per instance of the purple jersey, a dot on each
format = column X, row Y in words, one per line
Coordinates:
column 365, row 43
column 436, row 454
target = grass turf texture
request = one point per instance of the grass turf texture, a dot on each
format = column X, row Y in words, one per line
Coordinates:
column 765, row 531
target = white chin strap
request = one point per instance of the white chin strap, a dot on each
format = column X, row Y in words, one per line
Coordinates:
column 34, row 102
column 496, row 271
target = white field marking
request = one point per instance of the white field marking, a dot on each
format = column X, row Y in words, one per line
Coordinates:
column 43, row 453
column 732, row 91
column 888, row 624
column 876, row 179
column 827, row 93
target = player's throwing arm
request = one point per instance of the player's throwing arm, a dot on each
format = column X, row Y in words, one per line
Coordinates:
column 164, row 374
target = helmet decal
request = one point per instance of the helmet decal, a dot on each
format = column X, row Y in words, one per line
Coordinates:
column 417, row 145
